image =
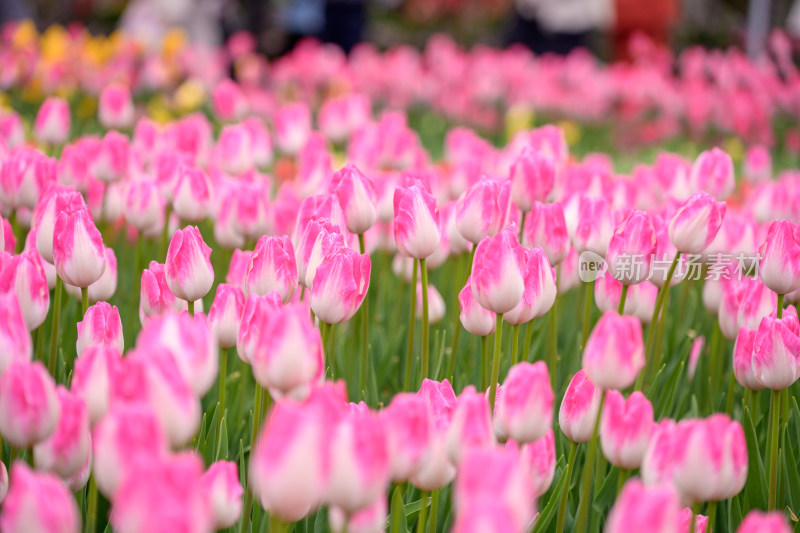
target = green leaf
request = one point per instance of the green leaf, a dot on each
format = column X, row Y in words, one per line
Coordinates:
column 549, row 511
column 397, row 517
column 412, row 509
column 222, row 449
column 669, row 398
column 608, row 490
column 757, row 478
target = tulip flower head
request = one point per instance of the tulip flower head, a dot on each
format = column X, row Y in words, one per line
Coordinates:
column 188, row 269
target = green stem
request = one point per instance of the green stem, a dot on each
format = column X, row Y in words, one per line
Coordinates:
column 562, row 508
column 774, row 423
column 191, row 308
column 587, row 311
column 434, row 511
column 451, row 363
column 652, row 329
column 165, row 233
column 522, row 226
column 248, row 501
column 552, row 353
column 471, row 260
column 364, row 331
column 423, row 512
column 714, row 372
column 137, row 275
column 692, row 523
column 85, row 299
column 514, row 344
column 91, row 511
column 731, row 390
column 588, row 473
column 498, row 337
column 624, row 473
column 425, row 326
column 411, row 323
column 622, row 298
column 780, row 306
column 54, row 327
column 711, row 512
column 223, row 374
column 484, row 362
column 39, row 342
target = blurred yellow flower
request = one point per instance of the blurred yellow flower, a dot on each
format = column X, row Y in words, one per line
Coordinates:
column 5, row 102
column 174, row 41
column 54, row 43
column 518, row 118
column 189, row 96
column 572, row 131
column 25, row 34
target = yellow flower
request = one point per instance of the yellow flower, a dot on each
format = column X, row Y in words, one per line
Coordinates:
column 189, row 96
column 5, row 102
column 54, row 43
column 519, row 117
column 174, row 41
column 572, row 131
column 25, row 34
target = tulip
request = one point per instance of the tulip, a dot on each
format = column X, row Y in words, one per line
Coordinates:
column 689, row 522
column 318, row 237
column 532, row 178
column 776, row 351
column 234, row 150
column 498, row 272
column 65, row 451
column 539, row 461
column 25, row 174
column 115, row 108
column 156, row 298
column 579, row 408
column 272, row 268
column 229, row 101
column 123, row 441
column 92, row 376
column 52, row 123
column 15, row 339
column 524, row 411
column 641, row 508
column 188, row 270
column 436, row 305
column 487, row 515
column 614, row 353
column 696, row 223
column 779, row 266
column 340, row 285
column 356, row 195
column 546, row 227
column 595, row 227
column 237, row 270
column 314, row 167
column 38, row 501
column 255, row 309
column 409, row 428
column 110, row 162
column 191, row 197
column 475, row 318
column 223, row 492
column 78, row 251
column 417, row 229
column 540, row 289
column 25, row 275
column 371, row 519
column 3, row 482
column 166, row 495
column 482, row 210
column 758, row 522
column 755, row 302
column 757, row 164
column 435, row 470
column 625, row 428
column 743, row 359
column 28, row 404
column 144, row 206
column 712, row 172
column 101, row 326
column 631, row 249
column 225, row 315
column 292, row 127
column 54, row 201
column 471, row 426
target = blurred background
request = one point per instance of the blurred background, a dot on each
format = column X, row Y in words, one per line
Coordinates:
column 558, row 26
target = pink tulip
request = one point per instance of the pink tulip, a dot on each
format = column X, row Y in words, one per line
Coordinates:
column 625, row 428
column 755, row 302
column 471, row 425
column 94, row 370
column 595, row 226
column 639, row 508
column 712, row 172
column 322, row 208
column 318, row 236
column 144, row 205
column 292, row 127
column 436, row 305
column 234, row 150
column 631, row 249
column 237, row 270
column 105, row 287
column 54, row 201
column 65, row 451
column 546, row 227
column 408, row 425
column 757, row 164
column 494, row 474
column 743, row 359
column 78, row 251
column 156, row 298
column 456, row 242
column 166, row 495
column 758, row 522
column 191, row 197
column 608, row 291
column 225, row 315
column 111, row 160
column 776, row 351
column 229, row 101
column 779, row 266
column 614, row 353
column 475, row 318
column 26, row 173
column 272, row 268
column 540, row 289
column 115, row 108
column 498, row 272
column 255, row 309
column 101, row 326
column 532, row 178
column 340, row 285
column 28, row 404
column 435, row 470
column 539, row 461
column 487, row 515
column 339, row 117
column 356, row 196
column 3, row 482
column 52, row 123
column 25, row 276
column 686, row 518
column 417, row 229
column 123, row 441
column 314, row 168
column 371, row 519
column 696, row 223
column 524, row 410
column 223, row 493
column 15, row 339
column 188, row 269
column 579, row 408
column 38, row 501
column 260, row 142
column 483, row 209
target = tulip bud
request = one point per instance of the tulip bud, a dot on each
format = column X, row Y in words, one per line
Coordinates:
column 487, row 515
column 229, row 101
column 483, row 209
column 78, row 251
column 524, row 410
column 687, row 517
column 595, row 226
column 614, row 352
column 436, row 305
column 776, row 351
column 191, row 197
column 65, row 451
column 25, row 174
column 471, row 426
column 272, row 268
column 408, row 433
column 3, row 482
column 188, row 269
column 539, row 461
column 156, row 298
column 631, row 249
column 255, row 309
column 579, row 408
column 225, row 315
column 356, row 196
column 38, row 501
column 371, row 519
column 110, row 162
column 340, row 285
column 475, row 318
column 115, row 108
column 540, row 289
column 546, row 227
column 237, row 270
column 625, row 428
column 696, row 223
column 498, row 268
column 712, row 172
column 52, row 123
column 779, row 266
column 642, row 508
column 25, row 275
column 755, row 302
column 53, row 202
column 223, row 493
column 743, row 360
column 417, row 229
column 15, row 339
column 28, row 404
column 758, row 522
column 101, row 326
column 292, row 127
column 91, row 379
column 532, row 178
